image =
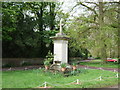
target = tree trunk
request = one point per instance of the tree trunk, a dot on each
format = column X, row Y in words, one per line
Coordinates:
column 119, row 32
column 110, row 53
column 52, row 15
column 101, row 24
column 40, row 22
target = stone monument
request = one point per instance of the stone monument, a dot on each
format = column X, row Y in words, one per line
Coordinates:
column 60, row 49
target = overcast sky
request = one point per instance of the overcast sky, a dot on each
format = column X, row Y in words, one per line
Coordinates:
column 67, row 7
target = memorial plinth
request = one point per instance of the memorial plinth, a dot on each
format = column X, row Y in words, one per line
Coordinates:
column 60, row 49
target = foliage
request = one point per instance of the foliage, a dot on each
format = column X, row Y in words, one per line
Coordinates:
column 46, row 63
column 63, row 65
column 77, row 72
column 27, row 28
column 88, row 36
column 49, row 58
column 7, row 65
column 74, row 64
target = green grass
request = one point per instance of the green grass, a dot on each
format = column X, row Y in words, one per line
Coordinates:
column 34, row 78
column 98, row 60
column 97, row 63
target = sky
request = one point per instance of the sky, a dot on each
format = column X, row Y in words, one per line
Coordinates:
column 67, row 7
column 69, row 4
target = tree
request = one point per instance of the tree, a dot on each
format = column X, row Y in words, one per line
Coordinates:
column 25, row 27
column 96, row 31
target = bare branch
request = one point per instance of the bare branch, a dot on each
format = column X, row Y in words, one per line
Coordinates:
column 88, row 8
column 74, row 7
column 80, row 3
column 93, row 3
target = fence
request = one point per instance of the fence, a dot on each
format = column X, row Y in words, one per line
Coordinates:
column 78, row 81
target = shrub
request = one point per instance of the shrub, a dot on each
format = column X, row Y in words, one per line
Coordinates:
column 97, row 58
column 74, row 64
column 47, row 63
column 49, row 57
column 76, row 72
column 63, row 65
column 7, row 65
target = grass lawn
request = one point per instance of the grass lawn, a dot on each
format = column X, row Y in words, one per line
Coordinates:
column 34, row 78
column 97, row 63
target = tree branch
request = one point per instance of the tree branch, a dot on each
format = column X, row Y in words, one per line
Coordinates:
column 93, row 3
column 74, row 7
column 88, row 8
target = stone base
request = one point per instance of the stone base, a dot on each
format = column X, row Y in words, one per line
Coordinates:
column 56, row 66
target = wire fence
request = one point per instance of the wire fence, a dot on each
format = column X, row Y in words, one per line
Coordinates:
column 77, row 81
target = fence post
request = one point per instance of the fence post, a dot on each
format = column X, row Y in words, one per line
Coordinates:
column 45, row 85
column 77, row 81
column 10, row 68
column 100, row 78
column 117, row 75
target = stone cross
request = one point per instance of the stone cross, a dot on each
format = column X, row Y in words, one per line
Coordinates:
column 61, row 26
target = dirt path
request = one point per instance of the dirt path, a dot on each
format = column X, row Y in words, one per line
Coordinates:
column 38, row 66
column 21, row 68
column 41, row 66
column 90, row 67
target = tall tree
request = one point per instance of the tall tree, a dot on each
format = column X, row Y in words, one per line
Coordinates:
column 27, row 28
column 97, row 30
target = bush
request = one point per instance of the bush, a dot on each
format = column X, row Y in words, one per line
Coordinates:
column 49, row 59
column 76, row 72
column 97, row 58
column 74, row 64
column 7, row 65
column 63, row 65
column 47, row 63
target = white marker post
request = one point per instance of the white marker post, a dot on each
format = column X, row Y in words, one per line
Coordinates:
column 45, row 85
column 77, row 81
column 100, row 78
column 117, row 75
